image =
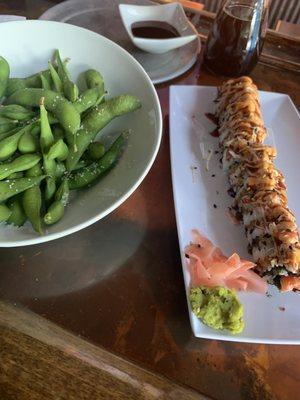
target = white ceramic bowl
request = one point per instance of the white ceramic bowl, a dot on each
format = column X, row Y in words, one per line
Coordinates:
column 28, row 45
column 171, row 13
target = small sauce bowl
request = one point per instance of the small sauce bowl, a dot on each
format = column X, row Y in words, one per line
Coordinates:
column 172, row 14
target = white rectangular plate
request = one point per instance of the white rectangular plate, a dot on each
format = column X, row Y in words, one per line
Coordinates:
column 268, row 319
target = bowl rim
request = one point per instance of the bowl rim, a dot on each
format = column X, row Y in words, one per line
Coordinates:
column 125, row 196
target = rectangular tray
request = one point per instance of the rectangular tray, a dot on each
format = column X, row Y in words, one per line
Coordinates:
column 196, row 190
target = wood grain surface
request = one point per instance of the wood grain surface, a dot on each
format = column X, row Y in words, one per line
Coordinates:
column 40, row 360
column 118, row 284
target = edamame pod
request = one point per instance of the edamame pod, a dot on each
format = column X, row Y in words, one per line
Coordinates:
column 21, row 163
column 63, row 192
column 96, row 150
column 85, row 176
column 7, row 124
column 16, row 175
column 46, row 136
column 81, row 163
column 56, row 210
column 15, row 84
column 45, row 83
column 62, row 66
column 17, row 216
column 28, row 143
column 93, row 78
column 32, row 81
column 4, row 75
column 59, row 150
column 11, row 187
column 62, row 109
column 54, row 213
column 60, row 170
column 11, row 132
column 5, row 212
column 57, row 83
column 96, row 119
column 9, row 144
column 50, row 188
column 88, row 99
column 32, row 201
column 46, row 140
column 36, row 170
column 57, row 131
column 70, row 89
column 35, row 129
column 52, row 119
column 16, row 112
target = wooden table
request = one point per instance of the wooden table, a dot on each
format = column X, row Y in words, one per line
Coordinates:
column 70, row 308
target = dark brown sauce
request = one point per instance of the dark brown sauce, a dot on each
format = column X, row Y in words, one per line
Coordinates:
column 235, row 41
column 215, row 133
column 212, row 118
column 154, row 30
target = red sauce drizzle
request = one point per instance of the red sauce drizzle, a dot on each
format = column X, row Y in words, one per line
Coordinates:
column 215, row 133
column 214, row 119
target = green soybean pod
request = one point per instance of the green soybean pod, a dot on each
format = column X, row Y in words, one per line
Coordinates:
column 16, row 175
column 57, row 131
column 59, row 150
column 32, row 201
column 49, row 166
column 54, row 213
column 88, row 99
column 17, row 216
column 52, row 119
column 11, row 132
column 15, row 84
column 32, row 81
column 4, row 75
column 36, row 170
column 9, row 145
column 97, row 169
column 11, row 187
column 46, row 140
column 28, row 143
column 60, row 170
column 57, row 83
column 96, row 150
column 70, row 89
column 7, row 124
column 97, row 119
column 16, row 112
column 56, row 210
column 5, row 212
column 62, row 193
column 50, row 188
column 46, row 136
column 62, row 66
column 62, row 109
column 35, row 130
column 21, row 163
column 81, row 163
column 32, row 204
column 45, row 83
column 93, row 78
